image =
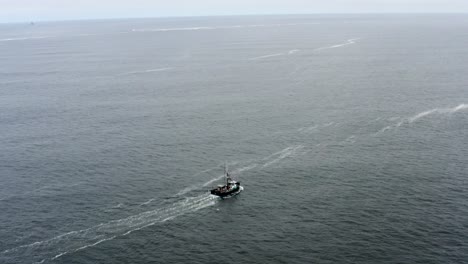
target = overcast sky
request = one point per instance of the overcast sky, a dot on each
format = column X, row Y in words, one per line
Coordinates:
column 37, row 10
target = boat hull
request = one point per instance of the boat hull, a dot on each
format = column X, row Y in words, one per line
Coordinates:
column 236, row 190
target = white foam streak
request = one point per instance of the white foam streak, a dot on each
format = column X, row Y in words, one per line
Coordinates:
column 196, row 186
column 147, row 202
column 253, row 166
column 460, row 107
column 289, row 151
column 418, row 116
column 23, row 38
column 290, row 52
column 78, row 240
column 148, row 71
column 246, row 168
column 210, row 182
column 213, row 180
column 218, row 27
column 59, row 255
column 293, row 51
column 455, row 109
column 266, row 56
column 171, row 29
column 94, row 244
column 348, row 42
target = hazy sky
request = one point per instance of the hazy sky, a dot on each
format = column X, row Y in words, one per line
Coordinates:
column 35, row 10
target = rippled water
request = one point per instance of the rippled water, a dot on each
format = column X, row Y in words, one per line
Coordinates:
column 348, row 133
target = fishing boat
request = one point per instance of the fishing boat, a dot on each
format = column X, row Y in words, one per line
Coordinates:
column 231, row 188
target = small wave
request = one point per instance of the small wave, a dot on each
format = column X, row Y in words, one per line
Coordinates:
column 315, row 128
column 351, row 139
column 311, row 128
column 120, row 205
column 41, row 190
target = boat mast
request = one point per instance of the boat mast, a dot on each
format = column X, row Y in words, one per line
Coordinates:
column 226, row 173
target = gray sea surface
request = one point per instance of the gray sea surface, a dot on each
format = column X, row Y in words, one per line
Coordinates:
column 349, row 134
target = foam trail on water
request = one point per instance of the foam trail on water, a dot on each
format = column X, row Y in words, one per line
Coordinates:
column 246, row 168
column 383, row 129
column 455, row 109
column 418, row 116
column 289, row 151
column 277, row 153
column 394, row 118
column 23, row 38
column 74, row 241
column 348, row 42
column 315, row 128
column 421, row 115
column 148, row 71
column 213, row 180
column 459, row 108
column 171, row 29
column 217, row 27
column 266, row 56
column 120, row 205
column 197, row 186
column 290, row 52
column 147, row 202
column 293, row 51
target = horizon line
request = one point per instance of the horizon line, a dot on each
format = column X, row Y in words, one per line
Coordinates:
column 233, row 15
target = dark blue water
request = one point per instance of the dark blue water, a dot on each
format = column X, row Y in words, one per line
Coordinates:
column 348, row 133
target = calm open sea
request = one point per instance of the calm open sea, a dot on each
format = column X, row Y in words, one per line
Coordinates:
column 349, row 134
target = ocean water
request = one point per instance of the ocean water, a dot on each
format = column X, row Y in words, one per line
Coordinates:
column 349, row 134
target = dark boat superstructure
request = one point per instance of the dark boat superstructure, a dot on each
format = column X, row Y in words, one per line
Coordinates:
column 231, row 188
